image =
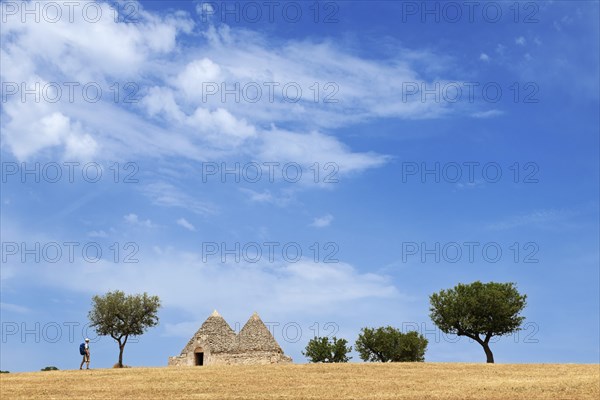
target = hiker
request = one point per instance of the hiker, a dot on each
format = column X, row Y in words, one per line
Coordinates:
column 84, row 350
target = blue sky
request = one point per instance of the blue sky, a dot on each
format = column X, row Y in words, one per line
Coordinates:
column 401, row 150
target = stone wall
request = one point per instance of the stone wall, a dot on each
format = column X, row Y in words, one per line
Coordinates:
column 253, row 358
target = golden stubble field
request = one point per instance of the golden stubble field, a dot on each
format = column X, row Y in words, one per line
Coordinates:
column 314, row 381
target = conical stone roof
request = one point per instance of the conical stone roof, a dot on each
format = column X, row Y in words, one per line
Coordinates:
column 216, row 333
column 256, row 336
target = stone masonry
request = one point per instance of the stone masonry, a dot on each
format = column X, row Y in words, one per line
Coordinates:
column 215, row 343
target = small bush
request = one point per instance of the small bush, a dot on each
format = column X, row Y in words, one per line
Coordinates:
column 4, row 372
column 51, row 368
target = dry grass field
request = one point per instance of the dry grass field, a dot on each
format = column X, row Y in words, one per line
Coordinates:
column 314, row 381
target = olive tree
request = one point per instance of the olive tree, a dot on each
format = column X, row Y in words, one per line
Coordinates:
column 388, row 344
column 325, row 350
column 479, row 311
column 119, row 316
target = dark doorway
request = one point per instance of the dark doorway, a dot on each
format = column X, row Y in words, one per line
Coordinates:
column 199, row 358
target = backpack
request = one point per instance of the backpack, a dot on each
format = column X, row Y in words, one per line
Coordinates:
column 82, row 349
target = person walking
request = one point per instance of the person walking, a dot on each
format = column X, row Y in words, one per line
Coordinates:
column 84, row 350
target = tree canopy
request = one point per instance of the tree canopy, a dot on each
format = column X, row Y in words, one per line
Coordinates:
column 478, row 311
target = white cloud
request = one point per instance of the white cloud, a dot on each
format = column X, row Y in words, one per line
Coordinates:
column 280, row 199
column 32, row 128
column 322, row 222
column 282, row 289
column 250, row 60
column 80, row 52
column 162, row 100
column 301, row 289
column 98, row 234
column 133, row 219
column 86, row 49
column 172, row 119
column 175, row 119
column 312, row 147
column 220, row 124
column 260, row 197
column 276, row 288
column 477, row 183
column 520, row 41
column 196, row 76
column 484, row 57
column 184, row 223
column 487, row 114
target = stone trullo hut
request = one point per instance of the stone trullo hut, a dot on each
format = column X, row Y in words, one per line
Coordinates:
column 216, row 343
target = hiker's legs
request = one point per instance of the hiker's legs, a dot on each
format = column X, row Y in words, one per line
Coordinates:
column 88, row 361
column 82, row 361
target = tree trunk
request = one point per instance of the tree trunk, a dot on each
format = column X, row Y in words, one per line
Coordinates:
column 121, row 348
column 488, row 353
column 485, row 343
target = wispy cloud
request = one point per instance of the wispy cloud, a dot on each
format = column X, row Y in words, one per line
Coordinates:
column 322, row 222
column 475, row 184
column 167, row 195
column 278, row 287
column 545, row 218
column 487, row 114
column 280, row 199
column 15, row 308
column 187, row 225
column 97, row 234
column 133, row 219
